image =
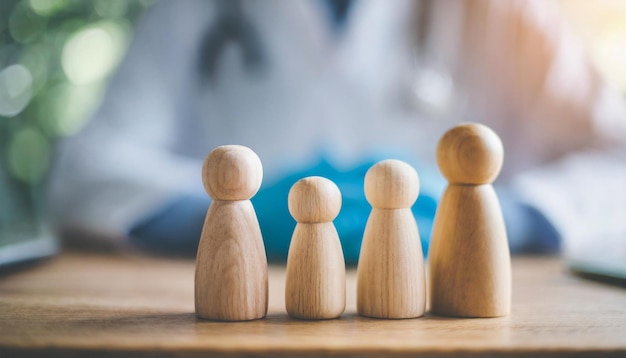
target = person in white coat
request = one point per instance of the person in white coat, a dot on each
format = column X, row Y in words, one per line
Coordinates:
column 328, row 87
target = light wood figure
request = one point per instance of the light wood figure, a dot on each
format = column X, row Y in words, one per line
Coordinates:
column 390, row 274
column 470, row 268
column 231, row 266
column 315, row 285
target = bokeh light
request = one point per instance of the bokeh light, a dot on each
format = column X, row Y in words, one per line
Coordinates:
column 47, row 7
column 55, row 56
column 601, row 25
column 72, row 105
column 35, row 58
column 25, row 25
column 15, row 90
column 93, row 52
column 28, row 155
column 111, row 8
column 609, row 55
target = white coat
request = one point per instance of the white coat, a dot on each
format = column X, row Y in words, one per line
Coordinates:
column 506, row 64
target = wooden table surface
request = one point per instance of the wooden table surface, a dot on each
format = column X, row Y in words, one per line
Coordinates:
column 94, row 304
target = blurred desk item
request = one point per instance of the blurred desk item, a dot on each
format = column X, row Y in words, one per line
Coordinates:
column 87, row 304
column 606, row 269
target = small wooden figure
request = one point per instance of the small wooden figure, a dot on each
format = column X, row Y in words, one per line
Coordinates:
column 390, row 274
column 316, row 273
column 231, row 266
column 470, row 264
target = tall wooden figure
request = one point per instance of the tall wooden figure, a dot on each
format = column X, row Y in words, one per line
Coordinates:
column 470, row 264
column 231, row 266
column 316, row 273
column 390, row 274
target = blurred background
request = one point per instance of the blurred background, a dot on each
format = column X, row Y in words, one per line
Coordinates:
column 56, row 57
column 601, row 29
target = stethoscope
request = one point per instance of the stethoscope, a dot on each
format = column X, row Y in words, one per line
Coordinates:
column 231, row 26
column 430, row 89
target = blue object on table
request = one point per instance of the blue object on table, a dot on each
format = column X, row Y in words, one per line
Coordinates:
column 277, row 224
column 175, row 228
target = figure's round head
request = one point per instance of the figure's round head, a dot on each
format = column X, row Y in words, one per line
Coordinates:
column 470, row 153
column 391, row 184
column 314, row 200
column 232, row 172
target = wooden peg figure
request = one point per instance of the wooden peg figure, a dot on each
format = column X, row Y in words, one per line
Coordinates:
column 315, row 286
column 390, row 274
column 470, row 264
column 231, row 266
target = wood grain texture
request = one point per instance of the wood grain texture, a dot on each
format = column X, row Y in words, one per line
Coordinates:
column 470, row 268
column 470, row 153
column 314, row 200
column 316, row 273
column 231, row 266
column 232, row 172
column 85, row 305
column 391, row 282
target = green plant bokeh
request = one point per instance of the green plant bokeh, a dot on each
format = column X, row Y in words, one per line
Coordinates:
column 55, row 59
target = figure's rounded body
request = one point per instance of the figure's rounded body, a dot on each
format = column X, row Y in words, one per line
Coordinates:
column 390, row 275
column 315, row 286
column 231, row 267
column 469, row 260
